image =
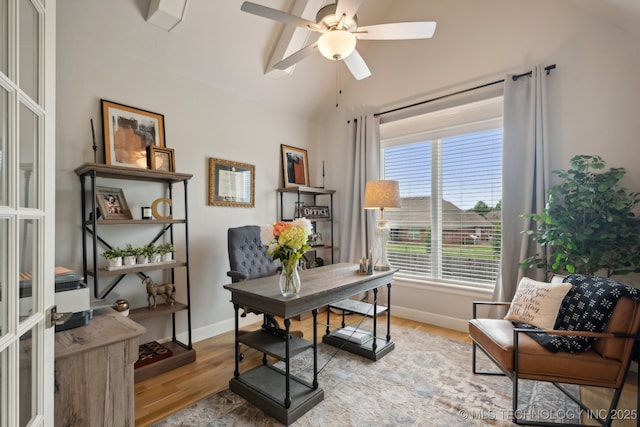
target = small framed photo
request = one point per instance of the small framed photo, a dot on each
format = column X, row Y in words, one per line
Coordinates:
column 231, row 183
column 112, row 204
column 128, row 131
column 161, row 159
column 295, row 167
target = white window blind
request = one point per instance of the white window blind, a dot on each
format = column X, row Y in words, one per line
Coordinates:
column 450, row 175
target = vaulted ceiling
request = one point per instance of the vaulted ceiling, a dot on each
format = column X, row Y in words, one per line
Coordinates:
column 231, row 51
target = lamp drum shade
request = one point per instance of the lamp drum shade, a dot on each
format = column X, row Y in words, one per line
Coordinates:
column 382, row 194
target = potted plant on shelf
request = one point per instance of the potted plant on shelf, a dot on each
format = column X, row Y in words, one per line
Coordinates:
column 130, row 255
column 141, row 255
column 152, row 254
column 113, row 257
column 166, row 251
column 588, row 224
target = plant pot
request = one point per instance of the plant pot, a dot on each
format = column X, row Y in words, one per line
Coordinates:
column 155, row 258
column 142, row 259
column 129, row 260
column 167, row 257
column 289, row 278
column 115, row 262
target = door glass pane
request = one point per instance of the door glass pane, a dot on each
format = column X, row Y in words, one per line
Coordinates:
column 4, row 36
column 4, row 120
column 28, row 161
column 4, row 377
column 27, row 378
column 28, row 51
column 28, row 291
column 4, row 250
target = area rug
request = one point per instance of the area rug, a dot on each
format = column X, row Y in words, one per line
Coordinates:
column 425, row 381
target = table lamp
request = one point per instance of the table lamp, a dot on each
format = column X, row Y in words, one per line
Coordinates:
column 382, row 194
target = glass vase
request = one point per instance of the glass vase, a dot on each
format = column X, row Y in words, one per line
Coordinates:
column 289, row 278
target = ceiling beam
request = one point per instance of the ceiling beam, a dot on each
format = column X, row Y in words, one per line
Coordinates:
column 292, row 38
column 166, row 14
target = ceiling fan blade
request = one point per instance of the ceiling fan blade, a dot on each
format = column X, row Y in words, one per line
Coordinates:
column 397, row 31
column 295, row 57
column 347, row 8
column 357, row 66
column 278, row 15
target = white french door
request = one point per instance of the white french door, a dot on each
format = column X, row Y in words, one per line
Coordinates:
column 27, row 205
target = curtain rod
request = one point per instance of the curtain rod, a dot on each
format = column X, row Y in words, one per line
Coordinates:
column 548, row 69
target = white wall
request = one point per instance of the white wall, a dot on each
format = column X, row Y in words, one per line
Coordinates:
column 106, row 50
column 594, row 94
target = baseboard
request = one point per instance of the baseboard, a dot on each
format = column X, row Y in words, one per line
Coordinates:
column 215, row 329
column 209, row 331
column 431, row 318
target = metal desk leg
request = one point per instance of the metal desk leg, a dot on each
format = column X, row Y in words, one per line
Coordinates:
column 374, row 345
column 328, row 331
column 287, row 397
column 236, row 372
column 315, row 348
column 388, row 311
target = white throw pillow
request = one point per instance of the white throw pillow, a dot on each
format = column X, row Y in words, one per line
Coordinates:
column 537, row 303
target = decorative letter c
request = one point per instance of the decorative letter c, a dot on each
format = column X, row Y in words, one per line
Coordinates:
column 154, row 208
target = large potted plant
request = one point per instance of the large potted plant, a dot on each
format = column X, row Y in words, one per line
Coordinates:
column 588, row 224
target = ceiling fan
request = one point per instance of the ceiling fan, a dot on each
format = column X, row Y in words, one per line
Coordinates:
column 338, row 24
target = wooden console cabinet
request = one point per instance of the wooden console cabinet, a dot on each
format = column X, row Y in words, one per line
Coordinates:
column 94, row 372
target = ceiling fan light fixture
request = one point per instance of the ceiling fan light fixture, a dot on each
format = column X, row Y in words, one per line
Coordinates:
column 337, row 44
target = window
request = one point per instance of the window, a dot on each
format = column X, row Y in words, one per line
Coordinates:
column 449, row 166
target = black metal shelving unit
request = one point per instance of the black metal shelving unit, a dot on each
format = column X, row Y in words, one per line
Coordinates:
column 89, row 173
column 301, row 193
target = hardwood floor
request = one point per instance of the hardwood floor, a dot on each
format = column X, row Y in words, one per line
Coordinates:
column 161, row 396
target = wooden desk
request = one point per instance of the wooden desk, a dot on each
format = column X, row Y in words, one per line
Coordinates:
column 94, row 371
column 279, row 393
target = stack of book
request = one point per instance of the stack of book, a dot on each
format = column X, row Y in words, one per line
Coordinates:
column 353, row 334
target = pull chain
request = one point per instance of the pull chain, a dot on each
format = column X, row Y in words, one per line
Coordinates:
column 338, row 89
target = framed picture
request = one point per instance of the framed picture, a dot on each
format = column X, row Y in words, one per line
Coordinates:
column 231, row 183
column 112, row 204
column 295, row 168
column 161, row 159
column 128, row 132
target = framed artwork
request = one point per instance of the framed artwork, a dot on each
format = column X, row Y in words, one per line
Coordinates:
column 231, row 183
column 295, row 168
column 128, row 131
column 161, row 159
column 112, row 204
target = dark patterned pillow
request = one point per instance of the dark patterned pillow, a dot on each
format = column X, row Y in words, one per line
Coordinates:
column 586, row 307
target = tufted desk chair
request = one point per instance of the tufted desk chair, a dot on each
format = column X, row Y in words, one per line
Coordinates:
column 248, row 259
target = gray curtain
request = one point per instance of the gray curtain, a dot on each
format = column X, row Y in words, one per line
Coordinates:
column 364, row 154
column 524, row 174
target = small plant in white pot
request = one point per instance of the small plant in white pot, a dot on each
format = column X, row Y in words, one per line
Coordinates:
column 113, row 257
column 166, row 250
column 129, row 257
column 151, row 251
column 141, row 256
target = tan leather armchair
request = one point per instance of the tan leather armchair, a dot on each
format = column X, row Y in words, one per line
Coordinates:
column 519, row 356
